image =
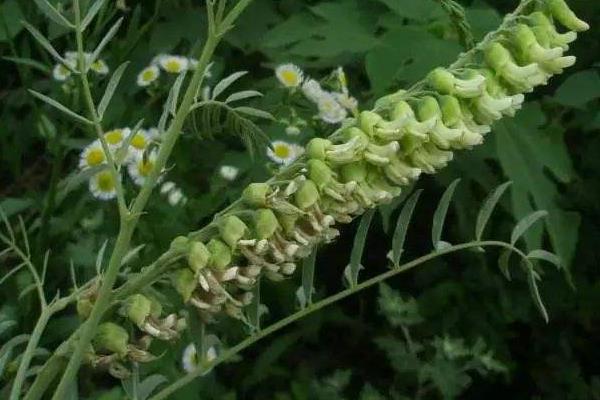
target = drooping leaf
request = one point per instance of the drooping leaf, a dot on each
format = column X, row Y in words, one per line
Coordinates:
column 402, row 227
column 359, row 245
column 439, row 216
column 547, row 256
column 53, row 103
column 488, row 208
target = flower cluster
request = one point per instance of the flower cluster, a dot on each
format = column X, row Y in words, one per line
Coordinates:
column 333, row 106
column 62, row 72
column 371, row 158
column 168, row 63
column 134, row 151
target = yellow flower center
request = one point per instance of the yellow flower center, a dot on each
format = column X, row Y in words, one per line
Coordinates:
column 105, row 182
column 94, row 157
column 148, row 75
column 282, row 150
column 97, row 66
column 173, row 66
column 114, row 137
column 138, row 141
column 145, row 167
column 290, row 77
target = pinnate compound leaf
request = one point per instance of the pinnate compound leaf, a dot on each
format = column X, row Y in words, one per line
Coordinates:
column 402, row 227
column 439, row 217
column 488, row 207
column 525, row 223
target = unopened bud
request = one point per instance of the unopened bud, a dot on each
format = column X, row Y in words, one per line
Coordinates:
column 112, row 338
column 137, row 308
column 256, row 194
column 198, row 256
column 220, row 253
column 232, row 229
column 307, row 195
column 84, row 307
column 266, row 223
column 561, row 11
column 316, row 148
column 184, row 283
column 180, row 243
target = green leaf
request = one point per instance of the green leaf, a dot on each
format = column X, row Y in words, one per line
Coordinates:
column 13, row 205
column 52, row 13
column 226, row 82
column 525, row 223
column 359, row 245
column 402, row 227
column 175, row 93
column 254, row 112
column 396, row 310
column 41, row 39
column 91, row 13
column 308, row 276
column 545, row 255
column 579, row 89
column 105, row 40
column 439, row 216
column 488, row 208
column 149, row 385
column 110, row 88
column 504, row 263
column 29, row 63
column 418, row 10
column 60, row 107
column 535, row 292
column 10, row 19
column 245, row 94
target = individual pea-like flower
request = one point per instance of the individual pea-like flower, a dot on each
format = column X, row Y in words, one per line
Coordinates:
column 229, row 172
column 173, row 64
column 60, row 73
column 92, row 155
column 283, row 153
column 440, row 134
column 289, row 75
column 141, row 167
column 330, row 110
column 148, row 75
column 523, row 78
column 561, row 11
column 115, row 137
column 103, row 186
column 445, row 82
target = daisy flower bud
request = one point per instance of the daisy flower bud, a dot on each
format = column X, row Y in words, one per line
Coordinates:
column 445, row 82
column 198, row 256
column 92, row 155
column 99, row 67
column 103, row 185
column 289, row 75
column 228, row 172
column 232, row 229
column 173, row 64
column 137, row 308
column 256, row 194
column 220, row 254
column 148, row 75
column 112, row 338
column 307, row 195
column 561, row 11
column 265, row 223
column 184, row 282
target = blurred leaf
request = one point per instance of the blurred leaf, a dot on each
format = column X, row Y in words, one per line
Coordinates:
column 51, row 12
column 579, row 89
column 10, row 19
column 358, row 245
column 397, row 311
column 488, row 208
column 439, row 216
column 402, row 227
column 418, row 10
column 13, row 205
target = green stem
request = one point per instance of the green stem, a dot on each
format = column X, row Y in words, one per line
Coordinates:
column 227, row 354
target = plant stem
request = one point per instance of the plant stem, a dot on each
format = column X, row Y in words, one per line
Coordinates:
column 227, row 354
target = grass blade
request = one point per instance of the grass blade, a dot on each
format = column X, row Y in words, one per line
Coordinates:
column 488, row 208
column 51, row 102
column 110, row 88
column 402, row 227
column 359, row 245
column 52, row 13
column 525, row 223
column 439, row 217
column 308, row 276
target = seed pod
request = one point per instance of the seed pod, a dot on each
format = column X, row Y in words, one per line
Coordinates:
column 198, row 256
column 184, row 282
column 561, row 11
column 266, row 223
column 220, row 254
column 306, row 195
column 112, row 338
column 232, row 229
column 256, row 194
column 137, row 308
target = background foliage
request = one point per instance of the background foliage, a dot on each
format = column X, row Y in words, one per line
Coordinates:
column 453, row 327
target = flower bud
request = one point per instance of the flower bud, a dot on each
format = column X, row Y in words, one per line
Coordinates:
column 266, row 223
column 155, row 308
column 111, row 337
column 522, row 78
column 288, row 223
column 441, row 135
column 445, row 82
column 198, row 256
column 256, row 194
column 529, row 48
column 316, row 148
column 84, row 307
column 184, row 282
column 306, row 195
column 546, row 33
column 232, row 229
column 137, row 308
column 180, row 244
column 367, row 121
column 220, row 254
column 561, row 11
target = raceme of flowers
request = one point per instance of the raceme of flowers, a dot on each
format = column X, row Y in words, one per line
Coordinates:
column 166, row 63
column 62, row 73
column 377, row 153
column 333, row 107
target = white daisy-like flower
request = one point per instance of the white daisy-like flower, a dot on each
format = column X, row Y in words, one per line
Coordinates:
column 176, row 197
column 189, row 360
column 92, row 155
column 289, row 75
column 193, row 63
column 114, row 138
column 140, row 140
column 99, row 67
column 173, row 64
column 167, row 187
column 292, row 130
column 312, row 90
column 229, row 172
column 282, row 152
column 152, row 133
column 141, row 167
column 103, row 186
column 60, row 73
column 330, row 110
column 148, row 75
column 346, row 101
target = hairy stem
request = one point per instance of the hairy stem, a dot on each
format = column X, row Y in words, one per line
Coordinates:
column 232, row 351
